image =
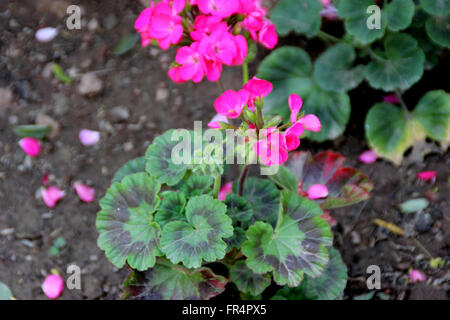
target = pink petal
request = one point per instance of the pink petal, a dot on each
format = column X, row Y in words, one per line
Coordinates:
column 226, row 189
column 86, row 193
column 215, row 121
column 416, row 276
column 317, row 191
column 230, row 104
column 53, row 286
column 89, row 137
column 30, row 146
column 295, row 104
column 258, row 87
column 46, row 34
column 268, row 36
column 310, row 122
column 51, row 195
column 427, row 175
column 45, row 179
column 368, row 156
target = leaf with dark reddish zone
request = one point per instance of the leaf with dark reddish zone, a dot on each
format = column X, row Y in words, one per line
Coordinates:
column 238, row 209
column 345, row 185
column 166, row 281
column 196, row 185
column 133, row 166
column 126, row 226
column 247, row 281
column 263, row 196
column 295, row 247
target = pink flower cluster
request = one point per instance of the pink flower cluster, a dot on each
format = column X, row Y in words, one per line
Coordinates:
column 208, row 31
column 273, row 145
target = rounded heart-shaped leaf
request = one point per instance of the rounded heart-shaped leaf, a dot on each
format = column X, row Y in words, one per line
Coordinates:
column 171, row 208
column 127, row 232
column 296, row 246
column 159, row 160
column 346, row 186
column 402, row 67
column 166, row 281
column 133, row 166
column 264, row 198
column 285, row 179
column 328, row 286
column 236, row 241
column 300, row 16
column 391, row 130
column 334, row 70
column 438, row 29
column 399, row 14
column 290, row 71
column 247, row 281
column 200, row 237
column 436, row 7
column 197, row 185
column 433, row 113
column 357, row 19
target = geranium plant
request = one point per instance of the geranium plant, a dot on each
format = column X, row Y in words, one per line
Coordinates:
column 166, row 216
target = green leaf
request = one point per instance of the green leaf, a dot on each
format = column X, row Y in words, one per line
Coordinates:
column 58, row 72
column 171, row 208
column 290, row 71
column 346, row 185
column 328, row 286
column 247, row 281
column 300, row 16
column 365, row 296
column 391, row 130
column 127, row 232
column 127, row 42
column 236, row 241
column 332, row 108
column 296, row 246
column 264, row 198
column 414, row 205
column 400, row 14
column 197, row 185
column 285, row 179
column 433, row 113
column 438, row 29
column 238, row 208
column 166, row 281
column 159, row 161
column 200, row 238
column 354, row 13
column 32, row 130
column 5, row 292
column 402, row 67
column 133, row 166
column 333, row 69
column 436, row 7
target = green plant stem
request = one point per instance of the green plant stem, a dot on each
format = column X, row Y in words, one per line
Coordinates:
column 421, row 247
column 374, row 55
column 245, row 72
column 217, row 181
column 402, row 102
column 242, row 178
column 328, row 37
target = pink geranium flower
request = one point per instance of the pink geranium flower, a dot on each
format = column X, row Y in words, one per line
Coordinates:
column 295, row 104
column 191, row 63
column 416, row 276
column 219, row 46
column 84, row 192
column 267, row 36
column 317, row 191
column 427, row 175
column 30, row 146
column 165, row 27
column 292, row 136
column 205, row 25
column 219, row 8
column 213, row 70
column 231, row 103
column 271, row 149
column 391, row 98
column 142, row 25
column 258, row 89
column 51, row 195
column 241, row 50
column 225, row 190
column 214, row 124
column 53, row 286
